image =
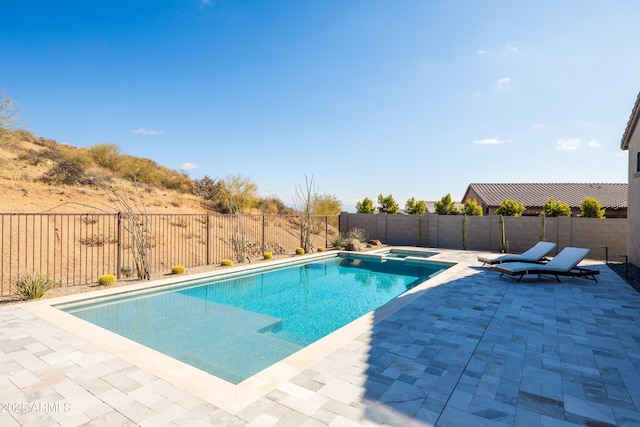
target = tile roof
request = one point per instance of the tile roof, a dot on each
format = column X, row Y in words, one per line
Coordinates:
column 612, row 196
column 631, row 124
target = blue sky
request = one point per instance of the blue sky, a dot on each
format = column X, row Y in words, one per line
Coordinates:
column 413, row 98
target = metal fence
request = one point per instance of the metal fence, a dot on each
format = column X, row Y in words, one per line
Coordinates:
column 75, row 249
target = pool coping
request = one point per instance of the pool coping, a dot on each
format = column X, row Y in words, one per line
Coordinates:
column 230, row 397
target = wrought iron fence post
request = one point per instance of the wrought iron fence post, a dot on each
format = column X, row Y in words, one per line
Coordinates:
column 119, row 252
column 264, row 228
column 207, row 239
column 326, row 231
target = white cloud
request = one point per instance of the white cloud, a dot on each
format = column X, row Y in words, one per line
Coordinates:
column 594, row 143
column 539, row 126
column 568, row 143
column 205, row 2
column 188, row 166
column 511, row 49
column 143, row 131
column 503, row 82
column 489, row 141
column 481, row 52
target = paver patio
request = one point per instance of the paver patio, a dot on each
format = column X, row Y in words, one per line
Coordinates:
column 470, row 349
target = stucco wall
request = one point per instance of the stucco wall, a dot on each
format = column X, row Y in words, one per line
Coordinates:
column 633, row 208
column 483, row 233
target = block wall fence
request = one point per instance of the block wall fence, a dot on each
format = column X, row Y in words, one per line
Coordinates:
column 606, row 238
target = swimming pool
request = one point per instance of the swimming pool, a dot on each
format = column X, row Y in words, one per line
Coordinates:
column 237, row 325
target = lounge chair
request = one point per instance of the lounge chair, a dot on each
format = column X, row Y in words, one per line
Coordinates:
column 563, row 264
column 536, row 254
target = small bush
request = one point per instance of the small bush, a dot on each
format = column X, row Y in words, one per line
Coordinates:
column 126, row 270
column 178, row 269
column 357, row 233
column 33, row 286
column 554, row 208
column 509, row 207
column 338, row 241
column 268, row 255
column 299, row 251
column 320, row 249
column 107, row 280
column 226, row 262
column 590, row 208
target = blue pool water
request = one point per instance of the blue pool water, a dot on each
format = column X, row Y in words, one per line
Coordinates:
column 236, row 327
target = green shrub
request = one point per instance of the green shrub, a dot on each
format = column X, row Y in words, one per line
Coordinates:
column 471, row 207
column 320, row 249
column 446, row 206
column 554, row 208
column 178, row 269
column 33, row 286
column 226, row 262
column 268, row 255
column 590, row 208
column 387, row 205
column 415, row 207
column 107, row 280
column 365, row 206
column 299, row 251
column 510, row 207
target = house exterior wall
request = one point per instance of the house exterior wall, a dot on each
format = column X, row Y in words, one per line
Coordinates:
column 633, row 207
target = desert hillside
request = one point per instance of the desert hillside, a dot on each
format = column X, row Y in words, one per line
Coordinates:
column 22, row 189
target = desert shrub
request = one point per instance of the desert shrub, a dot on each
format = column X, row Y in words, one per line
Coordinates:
column 268, row 255
column 326, row 204
column 357, row 233
column 590, row 208
column 181, row 222
column 32, row 157
column 299, row 251
column 555, row 208
column 239, row 193
column 107, row 280
column 178, row 269
column 338, row 241
column 106, row 155
column 272, row 205
column 97, row 240
column 66, row 171
column 33, row 286
column 320, row 249
column 226, row 262
column 510, row 207
column 126, row 270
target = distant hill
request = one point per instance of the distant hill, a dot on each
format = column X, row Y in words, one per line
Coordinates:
column 26, row 163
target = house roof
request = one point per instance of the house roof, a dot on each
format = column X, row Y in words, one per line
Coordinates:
column 612, row 196
column 631, row 124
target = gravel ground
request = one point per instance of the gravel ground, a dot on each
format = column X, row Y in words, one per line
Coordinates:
column 630, row 273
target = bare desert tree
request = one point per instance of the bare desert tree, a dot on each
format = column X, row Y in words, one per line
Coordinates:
column 9, row 113
column 133, row 216
column 304, row 202
column 10, row 120
column 238, row 193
